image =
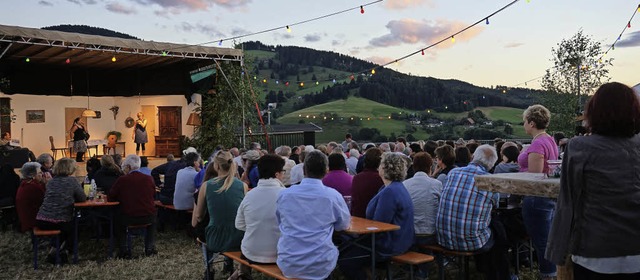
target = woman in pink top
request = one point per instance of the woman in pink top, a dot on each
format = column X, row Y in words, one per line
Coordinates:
column 537, row 212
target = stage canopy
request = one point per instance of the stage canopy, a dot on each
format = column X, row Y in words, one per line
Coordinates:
column 45, row 62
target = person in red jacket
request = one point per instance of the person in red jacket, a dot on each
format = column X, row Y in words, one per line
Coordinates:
column 30, row 195
column 135, row 191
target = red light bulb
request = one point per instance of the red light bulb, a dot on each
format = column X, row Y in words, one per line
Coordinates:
column 361, row 10
column 67, row 61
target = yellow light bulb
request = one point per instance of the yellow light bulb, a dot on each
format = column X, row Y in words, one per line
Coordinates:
column 302, row 84
column 453, row 39
column 288, row 29
column 113, row 59
column 373, row 71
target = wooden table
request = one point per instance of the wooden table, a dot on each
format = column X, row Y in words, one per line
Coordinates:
column 78, row 207
column 531, row 184
column 363, row 227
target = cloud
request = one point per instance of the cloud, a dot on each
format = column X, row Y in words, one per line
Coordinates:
column 209, row 30
column 80, row 2
column 191, row 5
column 312, row 38
column 405, row 4
column 411, row 31
column 237, row 31
column 118, row 8
column 45, row 3
column 513, row 45
column 630, row 40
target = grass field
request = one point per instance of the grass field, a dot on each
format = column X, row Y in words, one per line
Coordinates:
column 178, row 258
column 508, row 114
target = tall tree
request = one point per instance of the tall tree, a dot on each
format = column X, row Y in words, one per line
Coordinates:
column 578, row 70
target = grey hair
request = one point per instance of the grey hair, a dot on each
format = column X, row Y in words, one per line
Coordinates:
column 284, row 151
column 485, row 155
column 315, row 165
column 385, row 147
column 354, row 153
column 394, row 166
column 133, row 161
column 337, row 150
column 29, row 170
column 44, row 158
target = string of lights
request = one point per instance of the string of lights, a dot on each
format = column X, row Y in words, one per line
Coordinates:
column 610, row 48
column 288, row 26
column 372, row 71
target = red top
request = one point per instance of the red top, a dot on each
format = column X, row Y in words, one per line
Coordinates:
column 28, row 200
column 135, row 192
column 365, row 186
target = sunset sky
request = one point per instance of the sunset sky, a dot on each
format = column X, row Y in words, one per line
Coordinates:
column 513, row 48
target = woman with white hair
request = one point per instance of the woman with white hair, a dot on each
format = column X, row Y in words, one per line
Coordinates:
column 392, row 205
column 30, row 195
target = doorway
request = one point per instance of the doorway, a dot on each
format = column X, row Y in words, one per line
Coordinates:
column 170, row 130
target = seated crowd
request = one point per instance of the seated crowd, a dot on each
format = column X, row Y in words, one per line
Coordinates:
column 290, row 208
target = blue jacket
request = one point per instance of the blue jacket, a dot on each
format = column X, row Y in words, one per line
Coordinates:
column 393, row 205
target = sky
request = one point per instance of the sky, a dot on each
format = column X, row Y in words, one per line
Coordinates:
column 516, row 45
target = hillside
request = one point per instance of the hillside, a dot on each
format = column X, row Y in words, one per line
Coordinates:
column 373, row 121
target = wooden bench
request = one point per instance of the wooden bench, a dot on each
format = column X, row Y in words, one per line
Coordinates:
column 36, row 235
column 270, row 270
column 440, row 252
column 412, row 258
column 176, row 216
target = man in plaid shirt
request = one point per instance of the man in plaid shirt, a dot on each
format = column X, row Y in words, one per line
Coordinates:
column 465, row 212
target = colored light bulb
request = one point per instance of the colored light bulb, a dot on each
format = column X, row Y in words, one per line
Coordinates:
column 629, row 25
column 67, row 61
column 317, row 83
column 373, row 71
column 361, row 10
column 27, row 59
column 164, row 53
column 113, row 59
column 422, row 52
column 220, row 43
column 486, row 21
column 288, row 29
column 301, row 84
column 453, row 39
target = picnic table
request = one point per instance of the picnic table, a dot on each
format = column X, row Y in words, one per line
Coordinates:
column 89, row 204
column 523, row 183
column 363, row 227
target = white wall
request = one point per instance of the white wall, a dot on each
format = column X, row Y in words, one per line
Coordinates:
column 35, row 136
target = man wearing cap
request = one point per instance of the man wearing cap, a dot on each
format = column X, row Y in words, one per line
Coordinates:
column 251, row 176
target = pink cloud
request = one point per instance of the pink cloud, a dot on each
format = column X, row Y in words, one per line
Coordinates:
column 405, row 4
column 194, row 5
column 426, row 32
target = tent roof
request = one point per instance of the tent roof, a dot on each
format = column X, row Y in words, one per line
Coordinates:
column 144, row 67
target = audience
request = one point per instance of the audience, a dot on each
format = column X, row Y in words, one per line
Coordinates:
column 445, row 158
column 221, row 197
column 391, row 205
column 257, row 216
column 308, row 214
column 425, row 193
column 285, row 152
column 107, row 175
column 170, row 172
column 9, row 183
column 135, row 191
column 464, row 221
column 463, row 156
column 46, row 163
column 251, row 176
column 297, row 172
column 144, row 166
column 366, row 184
column 30, row 195
column 338, row 178
column 56, row 212
column 352, row 161
column 185, row 186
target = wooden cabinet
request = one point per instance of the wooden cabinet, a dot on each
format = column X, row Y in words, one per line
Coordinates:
column 167, row 145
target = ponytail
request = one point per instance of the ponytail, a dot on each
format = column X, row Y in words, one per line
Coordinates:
column 225, row 162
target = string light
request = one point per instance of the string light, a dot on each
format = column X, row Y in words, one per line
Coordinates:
column 373, row 71
column 422, row 52
column 220, row 43
column 301, row 84
column 67, row 61
column 288, row 29
column 604, row 54
column 164, row 53
column 113, row 59
column 486, row 21
column 27, row 59
column 453, row 39
column 361, row 10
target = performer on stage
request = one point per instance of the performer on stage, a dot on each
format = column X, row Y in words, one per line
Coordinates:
column 140, row 133
column 79, row 137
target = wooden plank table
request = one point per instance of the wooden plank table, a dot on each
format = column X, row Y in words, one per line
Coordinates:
column 531, row 184
column 361, row 226
column 78, row 206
